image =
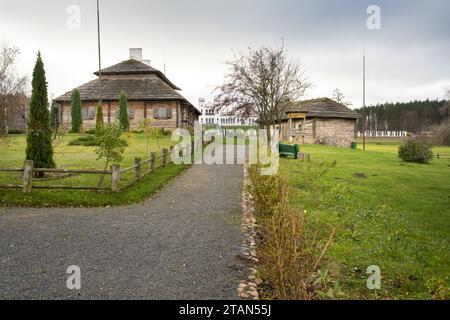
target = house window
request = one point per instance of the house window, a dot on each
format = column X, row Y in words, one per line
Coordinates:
column 130, row 113
column 163, row 112
column 88, row 113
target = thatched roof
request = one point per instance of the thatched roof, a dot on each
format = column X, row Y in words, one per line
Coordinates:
column 323, row 108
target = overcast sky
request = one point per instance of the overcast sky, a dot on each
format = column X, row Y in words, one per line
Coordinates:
column 409, row 58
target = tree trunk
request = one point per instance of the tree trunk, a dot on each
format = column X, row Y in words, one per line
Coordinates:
column 269, row 136
column 102, row 178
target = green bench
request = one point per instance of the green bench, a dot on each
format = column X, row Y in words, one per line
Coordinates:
column 287, row 150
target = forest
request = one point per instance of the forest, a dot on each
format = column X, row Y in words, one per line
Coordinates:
column 415, row 116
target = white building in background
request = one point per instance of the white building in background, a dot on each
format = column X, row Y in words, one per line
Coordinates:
column 212, row 117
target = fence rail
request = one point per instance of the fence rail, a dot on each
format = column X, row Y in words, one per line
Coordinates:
column 10, row 186
column 153, row 163
column 442, row 156
column 140, row 169
column 382, row 134
column 68, row 171
column 10, row 170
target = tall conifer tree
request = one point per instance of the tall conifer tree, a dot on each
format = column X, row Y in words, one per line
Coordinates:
column 77, row 118
column 123, row 111
column 39, row 139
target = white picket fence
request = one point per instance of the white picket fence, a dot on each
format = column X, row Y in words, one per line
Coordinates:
column 384, row 134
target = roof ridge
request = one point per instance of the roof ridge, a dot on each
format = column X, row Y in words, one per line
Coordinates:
column 138, row 68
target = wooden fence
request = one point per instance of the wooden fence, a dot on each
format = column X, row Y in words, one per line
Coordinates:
column 383, row 134
column 140, row 168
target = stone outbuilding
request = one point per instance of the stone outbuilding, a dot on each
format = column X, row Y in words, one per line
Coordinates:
column 320, row 121
column 151, row 95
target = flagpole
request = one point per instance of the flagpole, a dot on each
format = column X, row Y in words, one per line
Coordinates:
column 364, row 96
column 99, row 55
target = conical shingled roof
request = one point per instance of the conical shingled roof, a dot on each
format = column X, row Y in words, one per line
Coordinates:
column 138, row 89
column 133, row 66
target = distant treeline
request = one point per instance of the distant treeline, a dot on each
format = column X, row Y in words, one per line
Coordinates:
column 415, row 116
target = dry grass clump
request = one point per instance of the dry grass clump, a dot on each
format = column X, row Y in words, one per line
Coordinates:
column 290, row 254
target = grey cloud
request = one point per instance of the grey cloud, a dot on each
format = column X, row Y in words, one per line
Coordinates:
column 409, row 55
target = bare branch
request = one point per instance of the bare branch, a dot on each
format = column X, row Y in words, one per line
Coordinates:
column 12, row 86
column 263, row 82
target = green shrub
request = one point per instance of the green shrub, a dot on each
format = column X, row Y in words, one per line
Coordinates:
column 85, row 141
column 90, row 131
column 414, row 151
column 165, row 132
column 15, row 131
column 90, row 140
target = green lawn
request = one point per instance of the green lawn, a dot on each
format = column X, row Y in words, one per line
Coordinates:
column 388, row 213
column 392, row 147
column 12, row 155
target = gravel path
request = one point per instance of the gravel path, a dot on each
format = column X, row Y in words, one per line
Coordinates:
column 182, row 244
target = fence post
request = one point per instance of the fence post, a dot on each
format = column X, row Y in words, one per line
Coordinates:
column 153, row 161
column 170, row 153
column 115, row 178
column 28, row 176
column 137, row 169
column 164, row 157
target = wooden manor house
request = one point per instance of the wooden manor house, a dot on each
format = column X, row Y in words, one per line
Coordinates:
column 151, row 95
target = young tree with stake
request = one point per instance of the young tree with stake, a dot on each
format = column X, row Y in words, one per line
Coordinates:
column 110, row 146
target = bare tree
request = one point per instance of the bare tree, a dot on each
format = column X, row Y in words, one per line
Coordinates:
column 264, row 82
column 339, row 97
column 12, row 86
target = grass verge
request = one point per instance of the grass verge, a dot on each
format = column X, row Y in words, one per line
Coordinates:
column 387, row 213
column 139, row 192
column 12, row 155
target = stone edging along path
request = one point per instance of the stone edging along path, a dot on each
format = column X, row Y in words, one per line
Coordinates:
column 248, row 288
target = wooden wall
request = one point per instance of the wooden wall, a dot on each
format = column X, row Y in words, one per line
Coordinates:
column 142, row 110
